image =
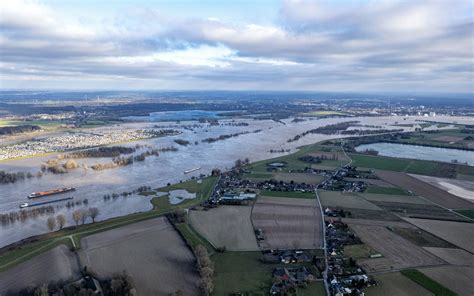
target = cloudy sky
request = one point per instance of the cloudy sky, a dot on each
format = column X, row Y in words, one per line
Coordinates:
column 238, row 45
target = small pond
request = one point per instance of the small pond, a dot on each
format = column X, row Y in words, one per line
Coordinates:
column 179, row 195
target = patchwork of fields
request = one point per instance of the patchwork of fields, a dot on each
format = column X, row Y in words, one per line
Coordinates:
column 397, row 252
column 456, row 278
column 425, row 190
column 457, row 233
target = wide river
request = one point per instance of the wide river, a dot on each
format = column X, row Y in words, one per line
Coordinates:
column 158, row 171
column 420, row 152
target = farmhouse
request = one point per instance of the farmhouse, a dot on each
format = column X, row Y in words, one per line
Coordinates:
column 288, row 278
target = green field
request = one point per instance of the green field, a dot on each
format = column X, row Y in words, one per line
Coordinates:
column 467, row 213
column 361, row 251
column 192, row 237
column 379, row 162
column 386, row 190
column 412, row 166
column 287, row 194
column 427, row 283
column 241, row 272
column 436, row 139
column 313, row 289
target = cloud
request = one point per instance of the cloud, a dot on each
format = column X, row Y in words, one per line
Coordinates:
column 362, row 45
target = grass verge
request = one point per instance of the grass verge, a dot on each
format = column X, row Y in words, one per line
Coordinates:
column 294, row 194
column 467, row 213
column 427, row 282
column 386, row 190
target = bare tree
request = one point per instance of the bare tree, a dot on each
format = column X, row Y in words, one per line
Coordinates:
column 83, row 216
column 76, row 216
column 51, row 223
column 93, row 212
column 238, row 163
column 61, row 220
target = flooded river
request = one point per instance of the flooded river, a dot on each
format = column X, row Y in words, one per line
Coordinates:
column 156, row 172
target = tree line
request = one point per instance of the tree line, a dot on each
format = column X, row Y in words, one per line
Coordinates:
column 12, row 130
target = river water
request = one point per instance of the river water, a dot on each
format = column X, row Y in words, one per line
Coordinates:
column 420, row 152
column 156, row 172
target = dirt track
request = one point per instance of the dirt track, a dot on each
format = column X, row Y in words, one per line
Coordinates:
column 288, row 223
column 53, row 265
column 151, row 252
column 425, row 190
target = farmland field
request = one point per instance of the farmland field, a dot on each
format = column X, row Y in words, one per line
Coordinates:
column 241, row 272
column 373, row 215
column 379, row 162
column 56, row 264
column 386, row 190
column 345, row 200
column 467, row 213
column 298, row 177
column 285, row 194
column 453, row 256
column 288, row 223
column 151, row 252
column 360, row 251
column 397, row 252
column 425, row 190
column 457, row 233
column 412, row 166
column 456, row 278
column 228, row 226
column 461, row 188
column 394, row 198
column 396, row 284
column 421, row 238
column 374, row 182
column 426, row 211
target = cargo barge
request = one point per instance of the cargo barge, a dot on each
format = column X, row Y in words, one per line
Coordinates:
column 193, row 170
column 27, row 205
column 50, row 192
